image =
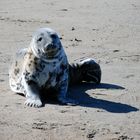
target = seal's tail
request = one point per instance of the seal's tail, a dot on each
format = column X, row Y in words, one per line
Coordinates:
column 87, row 70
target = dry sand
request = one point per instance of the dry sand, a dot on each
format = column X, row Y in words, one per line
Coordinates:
column 109, row 31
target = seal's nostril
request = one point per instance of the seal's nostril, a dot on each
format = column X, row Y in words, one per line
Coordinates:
column 50, row 46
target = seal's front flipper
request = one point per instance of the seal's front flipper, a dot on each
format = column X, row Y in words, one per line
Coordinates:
column 32, row 94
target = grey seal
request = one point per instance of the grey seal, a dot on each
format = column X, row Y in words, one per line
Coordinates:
column 44, row 65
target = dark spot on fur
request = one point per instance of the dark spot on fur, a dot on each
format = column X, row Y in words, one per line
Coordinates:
column 35, row 59
column 17, row 88
column 31, row 61
column 30, row 82
column 30, row 55
column 42, row 66
column 54, row 64
column 34, row 76
column 59, row 48
column 29, row 64
column 60, row 58
column 35, row 63
column 59, row 76
column 29, row 77
column 39, row 51
column 26, row 72
column 63, row 67
column 16, row 71
column 39, row 69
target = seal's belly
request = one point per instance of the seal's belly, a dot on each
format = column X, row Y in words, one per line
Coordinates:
column 46, row 80
column 50, row 77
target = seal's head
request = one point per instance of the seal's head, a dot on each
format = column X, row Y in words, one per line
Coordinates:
column 46, row 43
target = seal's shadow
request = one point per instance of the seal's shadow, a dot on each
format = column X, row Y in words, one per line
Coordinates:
column 85, row 100
column 78, row 93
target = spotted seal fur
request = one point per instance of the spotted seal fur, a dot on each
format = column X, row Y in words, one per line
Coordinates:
column 44, row 65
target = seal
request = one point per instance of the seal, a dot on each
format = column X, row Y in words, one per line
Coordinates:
column 44, row 65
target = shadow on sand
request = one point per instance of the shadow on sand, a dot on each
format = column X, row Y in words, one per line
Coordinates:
column 78, row 93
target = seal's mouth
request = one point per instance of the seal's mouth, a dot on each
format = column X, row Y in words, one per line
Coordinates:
column 52, row 52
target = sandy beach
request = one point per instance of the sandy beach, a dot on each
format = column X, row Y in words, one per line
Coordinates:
column 106, row 30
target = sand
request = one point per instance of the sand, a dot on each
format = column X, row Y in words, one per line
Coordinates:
column 106, row 30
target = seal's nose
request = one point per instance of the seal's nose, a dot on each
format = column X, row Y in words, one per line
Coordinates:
column 50, row 47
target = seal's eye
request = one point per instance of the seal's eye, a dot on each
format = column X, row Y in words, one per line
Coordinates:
column 54, row 36
column 39, row 39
